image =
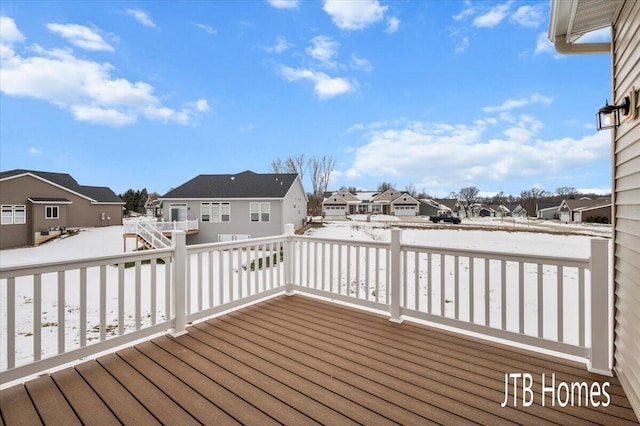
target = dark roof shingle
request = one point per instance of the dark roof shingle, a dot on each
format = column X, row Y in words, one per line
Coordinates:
column 242, row 185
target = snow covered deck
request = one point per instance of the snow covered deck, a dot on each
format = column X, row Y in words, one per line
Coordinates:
column 297, row 360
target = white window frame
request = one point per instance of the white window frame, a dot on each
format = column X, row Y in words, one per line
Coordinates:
column 55, row 209
column 17, row 209
column 218, row 211
column 262, row 209
column 7, row 219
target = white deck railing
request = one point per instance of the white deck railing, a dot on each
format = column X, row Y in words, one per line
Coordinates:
column 91, row 305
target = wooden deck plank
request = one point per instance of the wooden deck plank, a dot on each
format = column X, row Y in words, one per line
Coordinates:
column 123, row 405
column 190, row 401
column 319, row 386
column 238, row 408
column 153, row 399
column 467, row 349
column 50, row 403
column 619, row 405
column 345, row 339
column 16, row 407
column 86, row 404
column 340, row 369
column 299, row 360
column 260, row 398
column 463, row 401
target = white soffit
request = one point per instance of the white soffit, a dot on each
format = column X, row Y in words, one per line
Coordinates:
column 574, row 18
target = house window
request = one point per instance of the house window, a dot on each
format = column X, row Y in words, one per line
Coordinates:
column 178, row 212
column 260, row 212
column 216, row 212
column 19, row 215
column 51, row 212
column 7, row 215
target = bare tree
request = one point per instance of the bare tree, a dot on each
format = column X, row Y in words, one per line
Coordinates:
column 567, row 192
column 499, row 199
column 385, row 185
column 470, row 195
column 296, row 164
column 276, row 166
column 530, row 197
column 411, row 190
column 320, row 169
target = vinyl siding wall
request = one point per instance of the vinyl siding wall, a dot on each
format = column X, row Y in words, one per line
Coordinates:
column 626, row 187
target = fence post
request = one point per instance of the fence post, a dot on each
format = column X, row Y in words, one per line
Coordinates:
column 599, row 359
column 394, row 252
column 289, row 259
column 179, row 282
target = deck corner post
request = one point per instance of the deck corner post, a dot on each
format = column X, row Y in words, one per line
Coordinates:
column 394, row 296
column 289, row 258
column 179, row 282
column 599, row 358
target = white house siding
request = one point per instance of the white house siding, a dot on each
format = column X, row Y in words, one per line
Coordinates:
column 626, row 190
column 294, row 205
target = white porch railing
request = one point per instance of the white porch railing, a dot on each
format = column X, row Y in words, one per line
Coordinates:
column 91, row 305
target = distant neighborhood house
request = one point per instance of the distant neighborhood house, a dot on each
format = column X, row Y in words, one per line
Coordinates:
column 37, row 206
column 237, row 206
column 389, row 202
column 586, row 210
column 548, row 210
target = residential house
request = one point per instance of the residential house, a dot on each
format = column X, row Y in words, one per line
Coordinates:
column 231, row 207
column 153, row 205
column 516, row 210
column 432, row 208
column 569, row 20
column 38, row 206
column 585, row 210
column 549, row 210
column 389, row 202
column 458, row 207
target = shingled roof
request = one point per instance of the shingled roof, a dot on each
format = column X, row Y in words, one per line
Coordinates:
column 100, row 194
column 242, row 185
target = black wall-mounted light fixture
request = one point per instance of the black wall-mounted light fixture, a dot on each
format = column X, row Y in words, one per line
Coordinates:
column 609, row 115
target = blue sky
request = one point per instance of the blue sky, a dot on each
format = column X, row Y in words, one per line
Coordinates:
column 436, row 94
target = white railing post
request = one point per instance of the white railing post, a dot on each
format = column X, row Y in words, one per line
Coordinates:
column 394, row 297
column 179, row 282
column 599, row 359
column 289, row 259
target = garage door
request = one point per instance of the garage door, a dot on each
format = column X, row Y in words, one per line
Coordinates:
column 335, row 210
column 405, row 210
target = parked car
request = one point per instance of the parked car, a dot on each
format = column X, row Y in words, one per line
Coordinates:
column 445, row 218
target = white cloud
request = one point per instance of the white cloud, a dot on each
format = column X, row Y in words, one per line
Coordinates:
column 281, row 45
column 429, row 152
column 462, row 46
column 9, row 32
column 393, row 24
column 206, row 28
column 362, row 64
column 86, row 88
column 528, row 16
column 468, row 10
column 141, row 16
column 598, row 36
column 284, row 4
column 323, row 49
column 324, row 86
column 354, row 14
column 80, row 36
column 544, row 45
column 34, row 151
column 519, row 103
column 495, row 15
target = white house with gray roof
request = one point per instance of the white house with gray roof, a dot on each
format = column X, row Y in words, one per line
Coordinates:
column 237, row 206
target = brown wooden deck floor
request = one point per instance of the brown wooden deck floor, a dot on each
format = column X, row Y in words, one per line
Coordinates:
column 296, row 360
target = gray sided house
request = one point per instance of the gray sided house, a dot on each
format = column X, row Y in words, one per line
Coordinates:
column 389, row 202
column 37, row 206
column 244, row 205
